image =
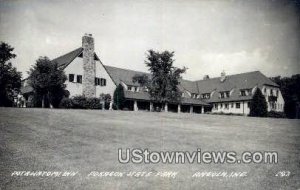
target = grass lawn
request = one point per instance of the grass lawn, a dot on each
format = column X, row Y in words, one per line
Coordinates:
column 88, row 140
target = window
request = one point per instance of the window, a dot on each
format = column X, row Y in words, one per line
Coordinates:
column 206, row 96
column 238, row 105
column 225, row 94
column 97, row 81
column 226, row 106
column 102, row 82
column 221, row 105
column 79, row 78
column 216, row 106
column 248, row 104
column 135, row 88
column 232, row 105
column 194, row 95
column 71, row 77
column 265, row 90
column 243, row 93
column 246, row 92
column 129, row 88
column 271, row 92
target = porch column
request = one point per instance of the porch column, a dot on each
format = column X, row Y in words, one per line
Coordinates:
column 110, row 105
column 135, row 107
column 151, row 106
column 179, row 108
column 202, row 109
column 191, row 108
column 166, row 107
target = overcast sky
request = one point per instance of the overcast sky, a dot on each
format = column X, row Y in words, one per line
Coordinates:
column 207, row 36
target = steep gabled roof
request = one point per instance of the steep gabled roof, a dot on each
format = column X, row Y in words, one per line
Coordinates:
column 233, row 83
column 64, row 60
column 188, row 85
column 238, row 81
column 123, row 75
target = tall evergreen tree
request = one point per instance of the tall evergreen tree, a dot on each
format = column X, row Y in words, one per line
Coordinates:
column 10, row 79
column 119, row 97
column 258, row 105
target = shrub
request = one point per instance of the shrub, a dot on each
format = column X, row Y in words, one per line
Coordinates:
column 81, row 102
column 275, row 114
column 93, row 103
column 119, row 98
column 66, row 103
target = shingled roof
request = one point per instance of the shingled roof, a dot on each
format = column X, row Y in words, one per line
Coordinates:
column 236, row 83
column 240, row 81
column 142, row 95
column 233, row 83
column 124, row 75
column 64, row 60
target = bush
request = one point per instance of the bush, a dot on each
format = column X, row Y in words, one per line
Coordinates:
column 275, row 114
column 222, row 113
column 81, row 102
column 93, row 103
column 66, row 103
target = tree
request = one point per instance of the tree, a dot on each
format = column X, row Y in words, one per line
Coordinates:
column 143, row 79
column 290, row 89
column 165, row 77
column 258, row 105
column 48, row 82
column 119, row 97
column 10, row 79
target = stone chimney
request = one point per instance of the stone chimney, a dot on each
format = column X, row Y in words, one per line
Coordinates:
column 223, row 76
column 206, row 77
column 89, row 73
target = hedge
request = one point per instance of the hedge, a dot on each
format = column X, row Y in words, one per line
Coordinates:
column 81, row 102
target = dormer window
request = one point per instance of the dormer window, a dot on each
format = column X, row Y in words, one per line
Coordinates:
column 194, row 95
column 225, row 94
column 133, row 88
column 245, row 92
column 205, row 96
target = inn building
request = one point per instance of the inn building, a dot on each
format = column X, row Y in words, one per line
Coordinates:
column 88, row 76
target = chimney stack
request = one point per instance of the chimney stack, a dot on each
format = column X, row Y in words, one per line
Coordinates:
column 223, row 76
column 89, row 73
column 206, row 77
